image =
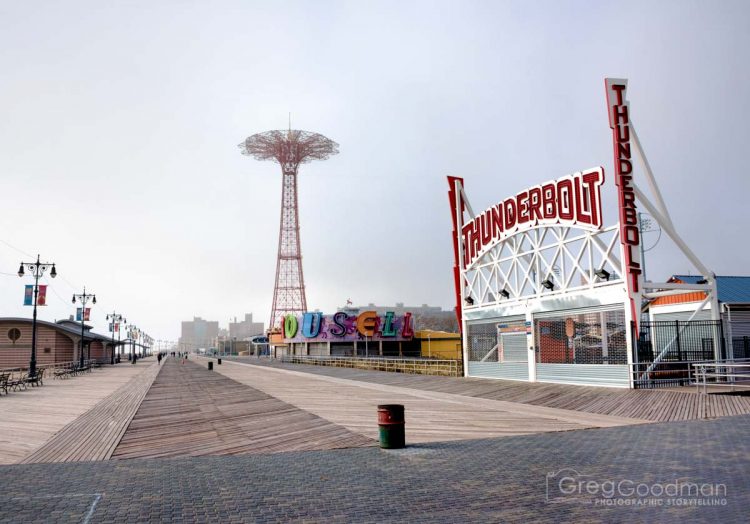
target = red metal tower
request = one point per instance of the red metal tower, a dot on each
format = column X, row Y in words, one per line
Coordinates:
column 290, row 149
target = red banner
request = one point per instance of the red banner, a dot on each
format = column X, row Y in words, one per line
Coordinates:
column 41, row 299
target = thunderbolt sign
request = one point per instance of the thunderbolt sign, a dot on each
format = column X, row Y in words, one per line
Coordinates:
column 573, row 200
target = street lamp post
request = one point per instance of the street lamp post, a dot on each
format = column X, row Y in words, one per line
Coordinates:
column 134, row 333
column 37, row 270
column 119, row 346
column 116, row 319
column 132, row 344
column 83, row 298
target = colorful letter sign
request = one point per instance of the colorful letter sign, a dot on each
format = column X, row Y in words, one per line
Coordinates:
column 341, row 327
column 290, row 326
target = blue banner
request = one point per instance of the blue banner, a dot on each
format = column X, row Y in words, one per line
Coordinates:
column 28, row 296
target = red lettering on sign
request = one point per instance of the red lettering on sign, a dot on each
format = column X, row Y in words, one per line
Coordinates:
column 535, row 204
column 564, row 199
column 549, row 209
column 509, row 208
column 486, row 222
column 522, row 203
column 619, row 121
column 574, row 200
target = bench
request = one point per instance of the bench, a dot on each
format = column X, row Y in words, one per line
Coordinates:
column 36, row 379
column 4, row 378
column 17, row 383
column 63, row 372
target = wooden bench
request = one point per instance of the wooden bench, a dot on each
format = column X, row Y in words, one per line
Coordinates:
column 17, row 383
column 63, row 372
column 36, row 379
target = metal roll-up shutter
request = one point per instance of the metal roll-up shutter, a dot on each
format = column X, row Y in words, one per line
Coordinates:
column 579, row 311
column 739, row 330
column 740, row 321
column 582, row 346
column 682, row 316
column 514, row 347
column 484, row 341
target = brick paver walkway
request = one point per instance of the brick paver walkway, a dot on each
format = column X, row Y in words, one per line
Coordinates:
column 491, row 480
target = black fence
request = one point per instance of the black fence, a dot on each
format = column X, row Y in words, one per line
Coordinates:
column 740, row 347
column 663, row 351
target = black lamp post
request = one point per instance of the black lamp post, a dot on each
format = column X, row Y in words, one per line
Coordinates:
column 37, row 270
column 116, row 319
column 133, row 335
column 83, row 298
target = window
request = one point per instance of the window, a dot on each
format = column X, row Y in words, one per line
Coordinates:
column 14, row 334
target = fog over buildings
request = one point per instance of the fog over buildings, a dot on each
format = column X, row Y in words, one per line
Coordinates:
column 120, row 123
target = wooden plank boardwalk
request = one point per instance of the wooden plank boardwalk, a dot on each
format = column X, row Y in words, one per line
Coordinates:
column 431, row 416
column 94, row 435
column 190, row 411
column 654, row 405
column 30, row 418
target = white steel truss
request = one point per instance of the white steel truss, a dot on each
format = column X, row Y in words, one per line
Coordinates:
column 568, row 258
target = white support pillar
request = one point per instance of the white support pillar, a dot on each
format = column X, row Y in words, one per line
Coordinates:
column 531, row 342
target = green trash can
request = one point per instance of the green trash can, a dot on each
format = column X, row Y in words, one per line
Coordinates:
column 219, row 361
column 391, row 426
column 210, row 366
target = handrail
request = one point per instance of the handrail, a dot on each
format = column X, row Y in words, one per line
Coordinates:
column 721, row 370
column 425, row 366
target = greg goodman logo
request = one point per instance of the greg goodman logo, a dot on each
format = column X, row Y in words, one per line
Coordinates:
column 568, row 485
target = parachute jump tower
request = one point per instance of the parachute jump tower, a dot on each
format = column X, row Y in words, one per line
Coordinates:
column 290, row 149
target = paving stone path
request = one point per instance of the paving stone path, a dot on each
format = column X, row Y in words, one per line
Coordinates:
column 489, row 480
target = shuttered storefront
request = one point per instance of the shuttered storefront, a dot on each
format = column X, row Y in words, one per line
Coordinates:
column 682, row 316
column 739, row 330
column 498, row 349
column 317, row 348
column 582, row 346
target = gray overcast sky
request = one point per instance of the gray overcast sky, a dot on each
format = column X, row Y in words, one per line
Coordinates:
column 120, row 120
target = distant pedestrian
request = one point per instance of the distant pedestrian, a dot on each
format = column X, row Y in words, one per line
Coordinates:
column 158, row 357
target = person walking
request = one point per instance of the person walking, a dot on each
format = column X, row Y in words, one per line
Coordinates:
column 158, row 357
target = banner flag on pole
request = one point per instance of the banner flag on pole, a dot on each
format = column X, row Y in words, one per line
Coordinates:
column 41, row 299
column 78, row 314
column 28, row 296
column 87, row 314
column 111, row 329
column 117, row 327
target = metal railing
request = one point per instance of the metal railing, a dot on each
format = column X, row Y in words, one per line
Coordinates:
column 732, row 374
column 421, row 366
column 669, row 374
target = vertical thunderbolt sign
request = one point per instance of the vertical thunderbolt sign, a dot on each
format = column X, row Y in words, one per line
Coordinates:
column 619, row 121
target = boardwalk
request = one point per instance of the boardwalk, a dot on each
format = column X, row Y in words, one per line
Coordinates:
column 190, row 411
column 30, row 418
column 653, row 405
column 94, row 435
column 431, row 416
column 151, row 411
